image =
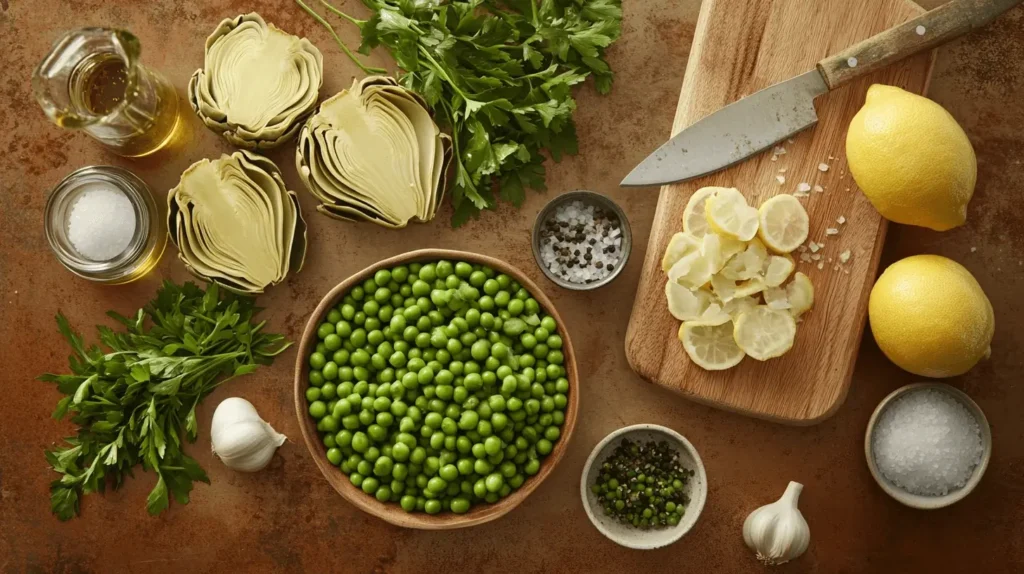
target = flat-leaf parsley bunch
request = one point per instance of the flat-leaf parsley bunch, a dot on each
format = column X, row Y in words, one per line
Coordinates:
column 136, row 402
column 499, row 75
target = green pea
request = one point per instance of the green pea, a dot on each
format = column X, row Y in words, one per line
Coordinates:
column 317, row 361
column 544, row 446
column 515, row 307
column 494, row 482
column 313, row 394
column 502, row 299
column 317, row 409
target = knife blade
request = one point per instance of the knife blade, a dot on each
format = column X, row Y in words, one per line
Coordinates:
column 734, row 132
column 766, row 117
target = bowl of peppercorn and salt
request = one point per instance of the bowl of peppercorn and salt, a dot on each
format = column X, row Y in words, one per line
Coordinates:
column 644, row 486
column 581, row 240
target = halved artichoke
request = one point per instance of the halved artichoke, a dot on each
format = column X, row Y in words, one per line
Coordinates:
column 258, row 83
column 372, row 152
column 235, row 223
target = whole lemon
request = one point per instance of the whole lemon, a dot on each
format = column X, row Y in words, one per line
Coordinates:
column 929, row 316
column 911, row 159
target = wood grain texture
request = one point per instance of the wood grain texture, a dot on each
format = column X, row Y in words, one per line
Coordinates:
column 392, row 512
column 929, row 30
column 740, row 47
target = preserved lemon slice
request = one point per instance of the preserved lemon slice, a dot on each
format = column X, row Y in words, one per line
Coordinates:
column 800, row 293
column 783, row 223
column 748, row 264
column 728, row 214
column 684, row 304
column 694, row 220
column 776, row 298
column 764, row 333
column 778, row 270
column 679, row 246
column 711, row 347
column 736, row 306
column 727, row 289
column 692, row 271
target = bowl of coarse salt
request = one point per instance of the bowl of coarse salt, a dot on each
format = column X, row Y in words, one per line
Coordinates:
column 581, row 240
column 927, row 445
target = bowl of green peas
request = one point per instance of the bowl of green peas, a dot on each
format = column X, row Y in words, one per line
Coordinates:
column 436, row 389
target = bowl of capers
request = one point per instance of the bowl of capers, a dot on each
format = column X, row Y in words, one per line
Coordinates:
column 644, row 486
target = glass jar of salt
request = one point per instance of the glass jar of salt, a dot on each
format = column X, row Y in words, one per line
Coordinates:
column 103, row 224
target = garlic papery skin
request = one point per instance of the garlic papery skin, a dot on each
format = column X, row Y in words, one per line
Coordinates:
column 777, row 532
column 240, row 438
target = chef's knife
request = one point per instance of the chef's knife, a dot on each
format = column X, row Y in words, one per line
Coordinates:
column 775, row 113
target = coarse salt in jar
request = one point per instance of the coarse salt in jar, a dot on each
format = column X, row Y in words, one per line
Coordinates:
column 103, row 225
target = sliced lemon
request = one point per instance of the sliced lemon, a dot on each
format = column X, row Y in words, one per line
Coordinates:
column 726, row 289
column 778, row 269
column 728, row 214
column 712, row 316
column 764, row 333
column 776, row 298
column 783, row 223
column 679, row 246
column 685, row 304
column 748, row 264
column 694, row 221
column 711, row 347
column 800, row 293
column 693, row 271
column 738, row 305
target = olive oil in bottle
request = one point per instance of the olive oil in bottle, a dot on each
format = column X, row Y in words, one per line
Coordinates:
column 92, row 80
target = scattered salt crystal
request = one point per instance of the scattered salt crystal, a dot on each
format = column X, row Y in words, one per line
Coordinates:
column 844, row 256
column 780, row 178
column 846, row 271
column 805, row 257
column 803, row 187
column 920, row 30
column 101, row 223
column 831, row 231
column 782, row 169
column 819, row 189
column 830, row 158
column 835, row 267
column 973, row 249
column 821, row 265
column 927, row 443
column 775, row 158
column 841, row 220
column 802, row 248
column 822, row 167
column 814, row 247
column 816, row 257
column 790, row 140
column 779, row 150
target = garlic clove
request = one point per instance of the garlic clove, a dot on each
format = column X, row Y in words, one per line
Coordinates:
column 778, row 532
column 240, row 438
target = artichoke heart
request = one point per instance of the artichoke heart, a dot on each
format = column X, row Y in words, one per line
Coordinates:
column 235, row 223
column 372, row 152
column 258, row 82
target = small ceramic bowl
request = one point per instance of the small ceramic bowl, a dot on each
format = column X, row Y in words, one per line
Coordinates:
column 925, row 502
column 628, row 536
column 588, row 198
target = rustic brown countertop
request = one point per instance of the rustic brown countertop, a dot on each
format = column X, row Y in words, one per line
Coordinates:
column 287, row 518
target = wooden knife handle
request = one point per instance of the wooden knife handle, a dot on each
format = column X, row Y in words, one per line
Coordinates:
column 949, row 21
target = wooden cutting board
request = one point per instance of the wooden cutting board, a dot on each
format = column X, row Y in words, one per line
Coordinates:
column 739, row 47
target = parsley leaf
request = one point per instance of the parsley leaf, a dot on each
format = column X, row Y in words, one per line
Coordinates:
column 131, row 404
column 498, row 74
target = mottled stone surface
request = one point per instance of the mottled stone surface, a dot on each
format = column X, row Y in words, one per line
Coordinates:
column 287, row 518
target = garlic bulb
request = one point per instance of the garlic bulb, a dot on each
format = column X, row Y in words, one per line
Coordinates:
column 241, row 439
column 777, row 532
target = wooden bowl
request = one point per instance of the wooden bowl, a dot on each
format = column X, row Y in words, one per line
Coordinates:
column 390, row 511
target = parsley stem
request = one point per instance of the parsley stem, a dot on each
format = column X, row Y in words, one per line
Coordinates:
column 331, row 7
column 344, row 48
